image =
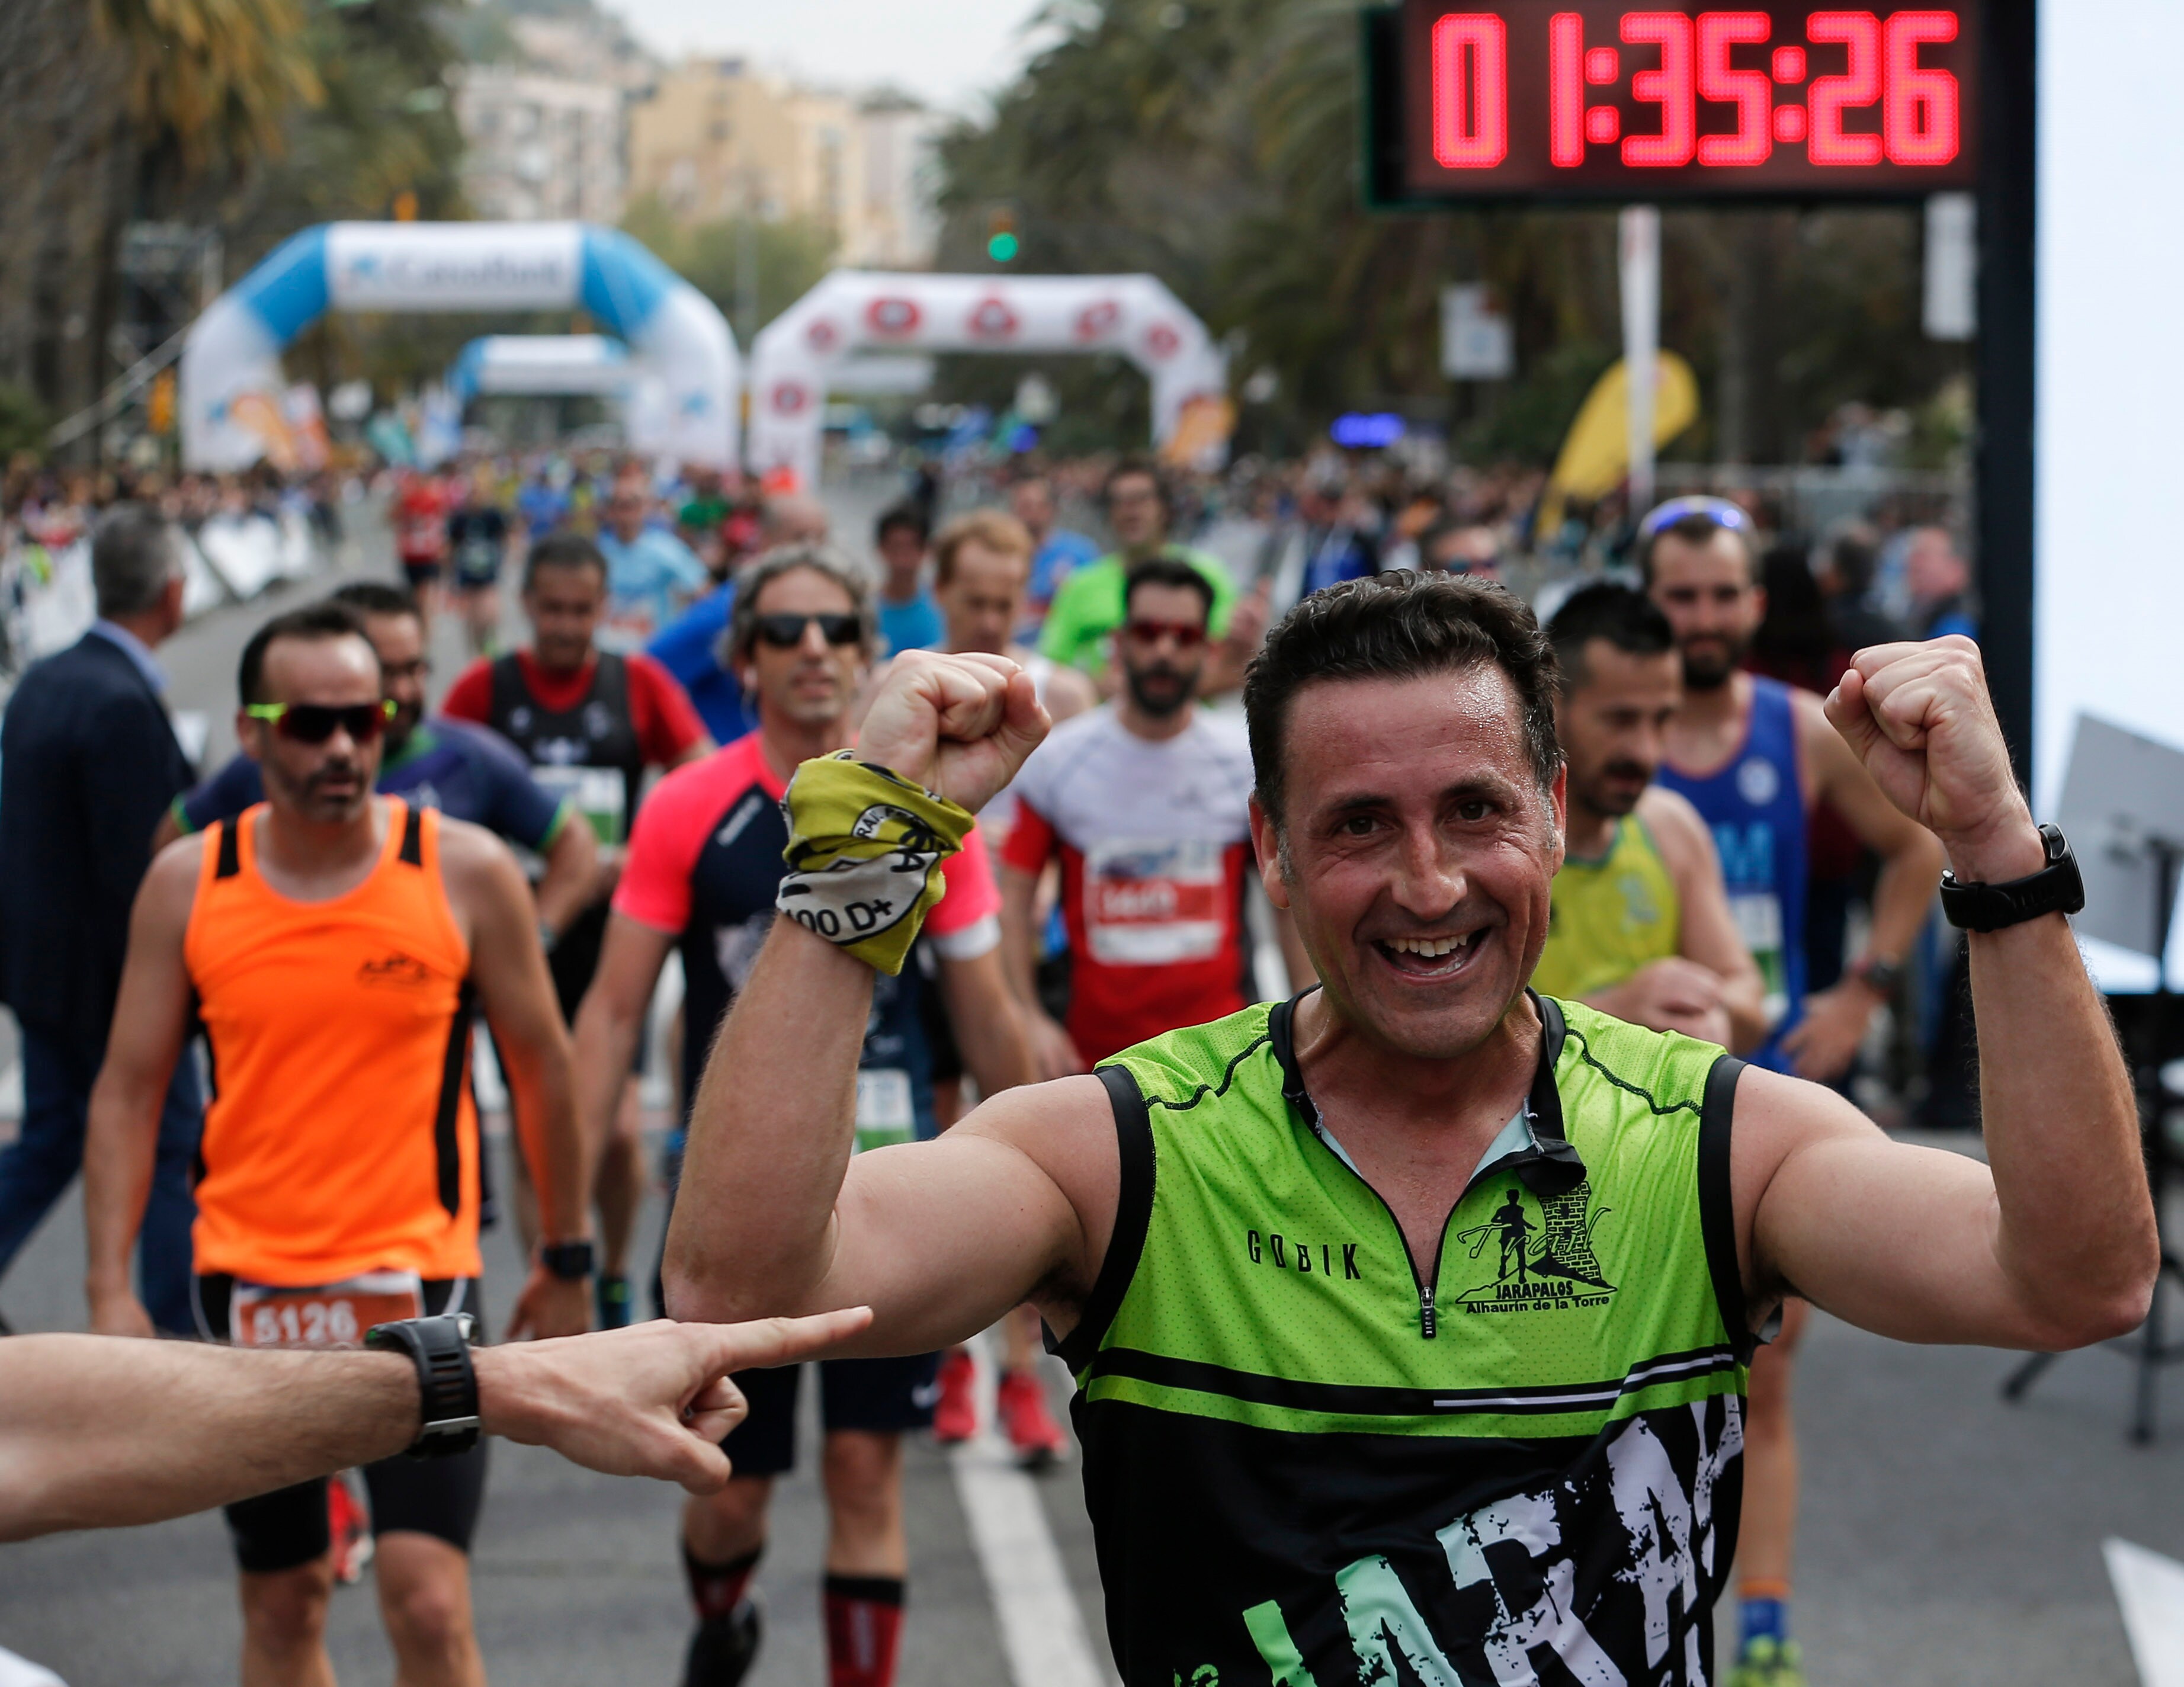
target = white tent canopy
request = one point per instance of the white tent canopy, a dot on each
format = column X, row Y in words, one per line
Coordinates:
column 798, row 356
column 232, row 386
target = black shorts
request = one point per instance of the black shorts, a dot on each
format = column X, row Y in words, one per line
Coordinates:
column 471, row 576
column 420, row 571
column 885, row 1395
column 1051, row 980
column 288, row 1528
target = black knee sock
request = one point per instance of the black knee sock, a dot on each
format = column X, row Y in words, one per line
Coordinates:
column 715, row 1589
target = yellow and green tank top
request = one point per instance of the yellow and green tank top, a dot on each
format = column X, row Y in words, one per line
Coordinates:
column 1309, row 1463
column 1610, row 917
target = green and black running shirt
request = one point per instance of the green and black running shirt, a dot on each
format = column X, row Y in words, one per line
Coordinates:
column 1307, row 1467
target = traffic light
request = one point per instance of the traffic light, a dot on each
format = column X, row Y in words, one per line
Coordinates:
column 1001, row 243
column 159, row 402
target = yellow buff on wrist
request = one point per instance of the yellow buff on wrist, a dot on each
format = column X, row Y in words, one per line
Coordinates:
column 864, row 856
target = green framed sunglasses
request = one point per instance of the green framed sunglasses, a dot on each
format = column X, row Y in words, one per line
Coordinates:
column 313, row 723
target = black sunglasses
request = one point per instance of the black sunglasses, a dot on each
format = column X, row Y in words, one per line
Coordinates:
column 313, row 723
column 786, row 631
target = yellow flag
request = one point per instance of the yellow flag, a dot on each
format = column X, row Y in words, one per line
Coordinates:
column 1596, row 453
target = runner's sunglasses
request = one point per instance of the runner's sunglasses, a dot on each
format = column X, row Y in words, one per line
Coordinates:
column 786, row 632
column 1719, row 511
column 1186, row 636
column 313, row 723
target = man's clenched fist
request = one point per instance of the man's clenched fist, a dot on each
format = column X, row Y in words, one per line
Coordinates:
column 961, row 726
column 1919, row 718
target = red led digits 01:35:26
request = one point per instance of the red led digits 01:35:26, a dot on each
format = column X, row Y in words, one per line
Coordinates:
column 1532, row 99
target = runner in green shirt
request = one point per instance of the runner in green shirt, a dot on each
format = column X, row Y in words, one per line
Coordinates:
column 1088, row 607
column 1410, row 1318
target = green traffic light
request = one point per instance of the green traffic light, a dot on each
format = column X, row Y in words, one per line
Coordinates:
column 1002, row 247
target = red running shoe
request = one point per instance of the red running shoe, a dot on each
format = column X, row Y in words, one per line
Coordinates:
column 1031, row 1428
column 350, row 1529
column 955, row 1419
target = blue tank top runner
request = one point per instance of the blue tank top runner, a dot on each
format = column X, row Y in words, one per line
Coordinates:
column 1755, row 806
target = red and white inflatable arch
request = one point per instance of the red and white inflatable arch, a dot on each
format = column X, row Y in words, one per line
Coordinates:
column 855, row 311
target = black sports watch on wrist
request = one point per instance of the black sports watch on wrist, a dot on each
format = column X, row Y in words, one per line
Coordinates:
column 571, row 1261
column 447, row 1385
column 2056, row 888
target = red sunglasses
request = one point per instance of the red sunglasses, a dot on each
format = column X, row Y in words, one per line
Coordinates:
column 1187, row 635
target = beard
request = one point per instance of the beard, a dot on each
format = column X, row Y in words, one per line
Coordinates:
column 1710, row 665
column 1160, row 690
column 1598, row 796
column 309, row 796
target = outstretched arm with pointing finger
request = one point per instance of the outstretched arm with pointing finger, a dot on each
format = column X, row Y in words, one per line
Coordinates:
column 97, row 1431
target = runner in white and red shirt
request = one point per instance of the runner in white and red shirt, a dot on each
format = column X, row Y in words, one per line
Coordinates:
column 1144, row 803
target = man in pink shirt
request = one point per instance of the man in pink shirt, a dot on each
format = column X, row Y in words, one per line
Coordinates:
column 704, row 868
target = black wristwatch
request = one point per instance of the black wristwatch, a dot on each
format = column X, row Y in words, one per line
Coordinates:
column 447, row 1385
column 571, row 1261
column 2056, row 888
column 1877, row 973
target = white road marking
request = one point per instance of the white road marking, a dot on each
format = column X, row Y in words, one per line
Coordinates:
column 1042, row 1628
column 20, row 1672
column 2150, row 1589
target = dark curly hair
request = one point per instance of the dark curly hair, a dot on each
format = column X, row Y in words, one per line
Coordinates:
column 1399, row 626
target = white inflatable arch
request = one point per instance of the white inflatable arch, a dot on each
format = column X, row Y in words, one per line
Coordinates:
column 541, row 364
column 860, row 310
column 231, row 387
column 544, row 364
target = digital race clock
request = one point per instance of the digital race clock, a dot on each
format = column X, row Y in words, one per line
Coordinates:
column 1531, row 99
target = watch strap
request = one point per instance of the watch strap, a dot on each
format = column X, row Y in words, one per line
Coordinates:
column 2056, row 888
column 569, row 1261
column 446, row 1382
column 1878, row 973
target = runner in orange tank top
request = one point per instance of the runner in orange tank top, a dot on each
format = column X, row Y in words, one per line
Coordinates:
column 344, row 1137
column 334, row 944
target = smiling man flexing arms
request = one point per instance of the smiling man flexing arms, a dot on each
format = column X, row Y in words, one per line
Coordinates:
column 1341, row 1404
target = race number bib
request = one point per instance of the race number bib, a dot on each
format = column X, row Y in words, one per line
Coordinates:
column 598, row 793
column 885, row 1115
column 1758, row 916
column 333, row 1315
column 1153, row 904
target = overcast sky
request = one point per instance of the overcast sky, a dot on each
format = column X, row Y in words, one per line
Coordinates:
column 948, row 51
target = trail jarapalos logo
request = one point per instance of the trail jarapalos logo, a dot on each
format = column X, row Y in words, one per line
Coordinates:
column 1540, row 1263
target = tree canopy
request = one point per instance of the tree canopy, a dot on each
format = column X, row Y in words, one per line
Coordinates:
column 1215, row 143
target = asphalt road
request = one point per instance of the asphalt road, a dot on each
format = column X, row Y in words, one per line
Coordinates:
column 1947, row 1538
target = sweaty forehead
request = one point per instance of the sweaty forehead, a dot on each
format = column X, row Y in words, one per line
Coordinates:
column 396, row 638
column 1403, row 740
column 803, row 591
column 1169, row 602
column 986, row 569
column 1608, row 674
column 1722, row 560
column 335, row 670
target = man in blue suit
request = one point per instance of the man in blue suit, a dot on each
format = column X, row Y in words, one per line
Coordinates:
column 88, row 764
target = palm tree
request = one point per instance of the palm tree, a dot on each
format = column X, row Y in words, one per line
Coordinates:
column 212, row 79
